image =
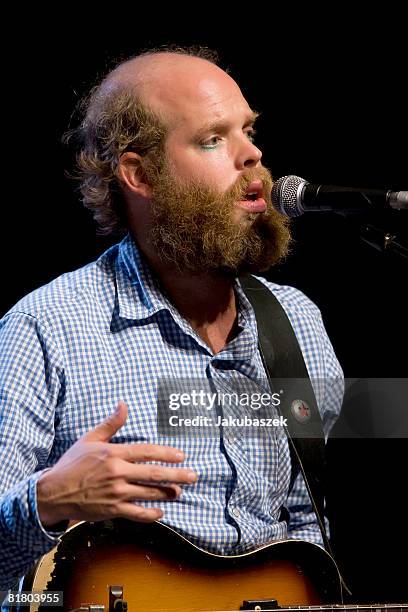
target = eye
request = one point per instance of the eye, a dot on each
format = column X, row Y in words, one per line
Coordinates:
column 211, row 143
column 251, row 134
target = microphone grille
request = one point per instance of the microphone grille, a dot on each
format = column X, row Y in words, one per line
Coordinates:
column 285, row 195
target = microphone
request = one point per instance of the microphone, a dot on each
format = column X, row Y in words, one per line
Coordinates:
column 293, row 196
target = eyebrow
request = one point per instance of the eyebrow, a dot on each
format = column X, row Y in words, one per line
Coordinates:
column 222, row 126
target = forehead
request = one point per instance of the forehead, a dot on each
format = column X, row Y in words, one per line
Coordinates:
column 190, row 91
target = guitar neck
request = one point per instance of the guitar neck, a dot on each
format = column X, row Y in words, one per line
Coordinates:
column 347, row 608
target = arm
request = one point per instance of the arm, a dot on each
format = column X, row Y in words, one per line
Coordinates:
column 31, row 380
column 93, row 480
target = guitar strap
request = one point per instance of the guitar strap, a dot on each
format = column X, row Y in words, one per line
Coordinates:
column 286, row 370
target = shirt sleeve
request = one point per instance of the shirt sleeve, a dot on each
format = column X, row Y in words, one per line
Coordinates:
column 31, row 381
column 329, row 391
column 303, row 523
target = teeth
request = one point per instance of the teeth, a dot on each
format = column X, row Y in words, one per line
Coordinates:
column 251, row 196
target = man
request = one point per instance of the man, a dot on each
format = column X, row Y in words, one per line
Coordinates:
column 166, row 157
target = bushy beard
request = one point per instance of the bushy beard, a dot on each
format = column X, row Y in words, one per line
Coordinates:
column 193, row 226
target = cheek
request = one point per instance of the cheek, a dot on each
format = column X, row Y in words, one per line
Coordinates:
column 214, row 168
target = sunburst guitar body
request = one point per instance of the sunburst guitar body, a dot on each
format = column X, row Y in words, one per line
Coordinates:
column 122, row 565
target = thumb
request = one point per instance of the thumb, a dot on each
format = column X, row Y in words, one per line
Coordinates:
column 105, row 430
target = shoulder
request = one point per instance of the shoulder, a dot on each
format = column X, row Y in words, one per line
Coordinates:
column 294, row 301
column 306, row 320
column 70, row 294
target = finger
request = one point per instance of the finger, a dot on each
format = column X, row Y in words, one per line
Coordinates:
column 137, row 513
column 158, row 475
column 148, row 452
column 145, row 493
column 105, row 430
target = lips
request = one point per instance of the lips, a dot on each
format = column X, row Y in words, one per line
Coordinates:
column 255, row 190
column 253, row 201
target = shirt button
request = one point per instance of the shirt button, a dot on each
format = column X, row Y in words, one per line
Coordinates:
column 235, row 512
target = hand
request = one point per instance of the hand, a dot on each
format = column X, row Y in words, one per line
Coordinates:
column 95, row 480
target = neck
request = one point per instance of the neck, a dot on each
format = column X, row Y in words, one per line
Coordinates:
column 202, row 298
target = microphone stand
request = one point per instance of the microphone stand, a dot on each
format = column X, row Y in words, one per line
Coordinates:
column 383, row 241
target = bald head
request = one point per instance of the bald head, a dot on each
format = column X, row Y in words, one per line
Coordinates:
column 167, row 83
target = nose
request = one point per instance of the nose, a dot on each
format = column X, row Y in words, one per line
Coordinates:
column 249, row 155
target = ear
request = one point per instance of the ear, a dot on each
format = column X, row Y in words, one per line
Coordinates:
column 132, row 175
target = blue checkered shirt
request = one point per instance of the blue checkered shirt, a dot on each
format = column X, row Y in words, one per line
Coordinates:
column 71, row 349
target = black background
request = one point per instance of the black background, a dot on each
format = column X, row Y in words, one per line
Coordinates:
column 332, row 101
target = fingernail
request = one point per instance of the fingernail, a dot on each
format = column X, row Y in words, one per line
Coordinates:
column 179, row 455
column 192, row 477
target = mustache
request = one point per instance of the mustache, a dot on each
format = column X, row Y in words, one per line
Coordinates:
column 238, row 190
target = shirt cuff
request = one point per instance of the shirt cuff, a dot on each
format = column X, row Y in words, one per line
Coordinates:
column 23, row 539
column 58, row 529
column 20, row 521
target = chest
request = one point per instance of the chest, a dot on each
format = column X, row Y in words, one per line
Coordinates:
column 217, row 335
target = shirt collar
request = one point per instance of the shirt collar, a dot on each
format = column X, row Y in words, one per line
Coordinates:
column 140, row 297
column 138, row 291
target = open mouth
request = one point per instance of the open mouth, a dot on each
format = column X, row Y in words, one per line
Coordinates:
column 253, row 200
column 251, row 196
column 254, row 191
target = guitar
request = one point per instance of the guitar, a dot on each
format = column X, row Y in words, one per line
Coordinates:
column 122, row 565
